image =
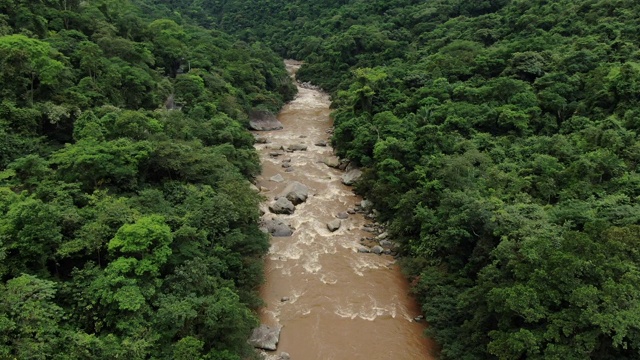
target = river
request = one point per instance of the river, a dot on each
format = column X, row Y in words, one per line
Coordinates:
column 339, row 304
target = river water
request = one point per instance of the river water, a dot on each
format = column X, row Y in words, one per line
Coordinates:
column 342, row 305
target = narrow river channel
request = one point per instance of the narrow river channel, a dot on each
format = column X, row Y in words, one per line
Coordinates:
column 332, row 302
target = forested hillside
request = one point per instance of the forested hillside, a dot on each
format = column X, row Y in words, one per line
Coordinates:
column 128, row 228
column 500, row 141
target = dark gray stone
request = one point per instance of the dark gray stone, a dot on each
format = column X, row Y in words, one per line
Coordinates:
column 377, row 250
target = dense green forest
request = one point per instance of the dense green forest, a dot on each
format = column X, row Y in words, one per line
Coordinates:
column 500, row 142
column 127, row 225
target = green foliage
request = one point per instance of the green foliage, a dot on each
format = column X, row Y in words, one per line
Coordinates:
column 499, row 141
column 127, row 226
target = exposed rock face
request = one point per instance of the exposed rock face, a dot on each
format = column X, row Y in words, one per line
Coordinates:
column 295, row 192
column 263, row 121
column 334, row 225
column 265, row 337
column 350, row 177
column 277, row 227
column 331, row 161
column 282, row 206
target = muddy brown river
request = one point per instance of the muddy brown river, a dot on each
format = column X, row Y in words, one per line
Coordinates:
column 339, row 304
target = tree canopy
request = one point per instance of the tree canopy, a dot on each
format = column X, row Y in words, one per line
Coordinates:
column 500, row 145
column 127, row 224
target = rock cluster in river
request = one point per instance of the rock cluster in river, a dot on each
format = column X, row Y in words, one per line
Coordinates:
column 294, row 194
column 308, row 85
column 277, row 227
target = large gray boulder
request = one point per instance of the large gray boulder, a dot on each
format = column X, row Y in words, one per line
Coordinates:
column 277, row 227
column 331, row 161
column 297, row 147
column 263, row 121
column 282, row 206
column 377, row 250
column 265, row 337
column 350, row 177
column 334, row 225
column 295, row 192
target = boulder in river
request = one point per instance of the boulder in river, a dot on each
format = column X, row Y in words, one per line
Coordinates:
column 277, row 178
column 284, row 356
column 377, row 250
column 350, row 177
column 334, row 225
column 297, row 147
column 382, row 236
column 265, row 337
column 263, row 121
column 331, row 161
column 364, row 250
column 277, row 227
column 261, row 140
column 321, row 143
column 282, row 206
column 342, row 215
column 386, row 243
column 295, row 192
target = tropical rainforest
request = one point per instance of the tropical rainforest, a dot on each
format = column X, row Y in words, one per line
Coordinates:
column 499, row 140
column 128, row 228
